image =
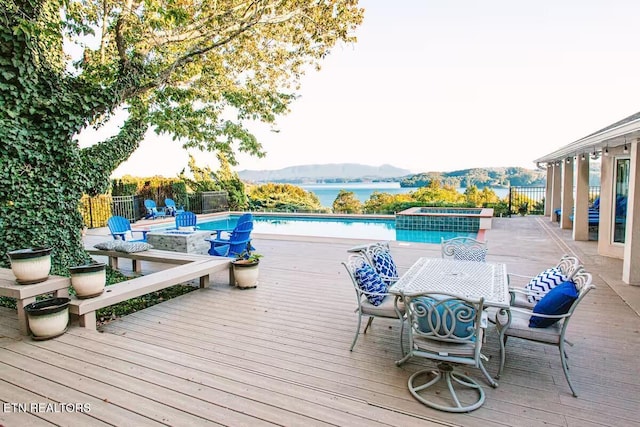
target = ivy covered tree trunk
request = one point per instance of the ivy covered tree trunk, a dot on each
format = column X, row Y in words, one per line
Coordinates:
column 43, row 172
column 196, row 70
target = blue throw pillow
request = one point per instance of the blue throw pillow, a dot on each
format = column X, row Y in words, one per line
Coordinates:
column 557, row 301
column 370, row 281
column 385, row 266
column 464, row 326
column 543, row 283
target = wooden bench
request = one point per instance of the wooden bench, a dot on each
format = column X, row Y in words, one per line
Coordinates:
column 151, row 255
column 85, row 309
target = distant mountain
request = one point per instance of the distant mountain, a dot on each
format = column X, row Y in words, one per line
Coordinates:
column 334, row 172
column 480, row 177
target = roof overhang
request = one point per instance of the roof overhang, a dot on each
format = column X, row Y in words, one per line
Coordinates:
column 612, row 136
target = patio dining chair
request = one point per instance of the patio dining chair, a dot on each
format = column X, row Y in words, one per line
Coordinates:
column 449, row 330
column 527, row 295
column 547, row 322
column 378, row 255
column 464, row 249
column 371, row 296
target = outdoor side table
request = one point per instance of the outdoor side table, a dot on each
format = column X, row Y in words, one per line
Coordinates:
column 26, row 294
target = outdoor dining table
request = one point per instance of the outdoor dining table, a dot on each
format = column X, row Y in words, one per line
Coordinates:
column 470, row 279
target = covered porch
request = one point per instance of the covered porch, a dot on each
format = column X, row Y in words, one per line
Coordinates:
column 616, row 147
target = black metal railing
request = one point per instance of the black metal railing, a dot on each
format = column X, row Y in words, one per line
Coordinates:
column 207, row 202
column 97, row 210
column 531, row 200
column 526, row 200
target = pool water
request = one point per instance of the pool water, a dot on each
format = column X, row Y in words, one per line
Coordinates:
column 356, row 228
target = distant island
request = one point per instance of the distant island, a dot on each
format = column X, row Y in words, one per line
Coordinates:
column 327, row 173
column 353, row 172
column 480, row 177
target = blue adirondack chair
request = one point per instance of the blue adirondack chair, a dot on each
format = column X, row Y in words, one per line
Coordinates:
column 171, row 207
column 119, row 227
column 237, row 242
column 153, row 211
column 186, row 219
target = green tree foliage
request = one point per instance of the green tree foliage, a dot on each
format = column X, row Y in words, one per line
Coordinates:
column 224, row 179
column 380, row 202
column 347, row 202
column 480, row 198
column 282, row 197
column 436, row 192
column 196, row 70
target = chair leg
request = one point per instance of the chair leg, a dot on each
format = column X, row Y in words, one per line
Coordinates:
column 353, row 344
column 490, row 380
column 503, row 343
column 368, row 324
column 565, row 367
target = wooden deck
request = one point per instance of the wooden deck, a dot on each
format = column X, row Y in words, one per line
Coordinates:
column 279, row 354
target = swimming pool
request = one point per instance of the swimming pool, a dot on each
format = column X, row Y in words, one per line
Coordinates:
column 325, row 226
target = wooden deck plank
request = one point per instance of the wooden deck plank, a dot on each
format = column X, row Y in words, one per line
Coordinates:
column 38, row 412
column 24, row 373
column 245, row 390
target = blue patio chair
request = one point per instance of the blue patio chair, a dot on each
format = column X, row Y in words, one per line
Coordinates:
column 238, row 241
column 186, row 220
column 171, row 207
column 153, row 211
column 120, row 226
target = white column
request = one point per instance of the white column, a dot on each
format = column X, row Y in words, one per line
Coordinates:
column 631, row 270
column 566, row 203
column 581, row 213
column 556, row 190
column 548, row 204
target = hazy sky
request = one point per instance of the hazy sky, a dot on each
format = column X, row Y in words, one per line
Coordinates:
column 451, row 84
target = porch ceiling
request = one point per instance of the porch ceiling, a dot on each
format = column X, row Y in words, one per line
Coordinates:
column 625, row 131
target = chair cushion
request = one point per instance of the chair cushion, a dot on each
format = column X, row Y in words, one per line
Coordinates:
column 557, row 301
column 385, row 266
column 464, row 327
column 519, row 327
column 540, row 285
column 370, row 281
column 470, row 254
column 108, row 245
column 385, row 309
column 131, row 247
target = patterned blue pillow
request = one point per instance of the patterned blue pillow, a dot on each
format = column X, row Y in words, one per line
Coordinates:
column 370, row 281
column 470, row 254
column 540, row 285
column 385, row 266
column 557, row 301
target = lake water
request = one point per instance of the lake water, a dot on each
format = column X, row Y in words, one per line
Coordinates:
column 327, row 193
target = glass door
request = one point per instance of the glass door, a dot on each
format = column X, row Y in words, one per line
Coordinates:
column 621, row 193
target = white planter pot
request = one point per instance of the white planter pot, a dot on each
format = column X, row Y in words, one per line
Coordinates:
column 246, row 273
column 88, row 280
column 48, row 318
column 31, row 265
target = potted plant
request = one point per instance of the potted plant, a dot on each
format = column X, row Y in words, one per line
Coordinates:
column 30, row 265
column 245, row 268
column 48, row 318
column 88, row 280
